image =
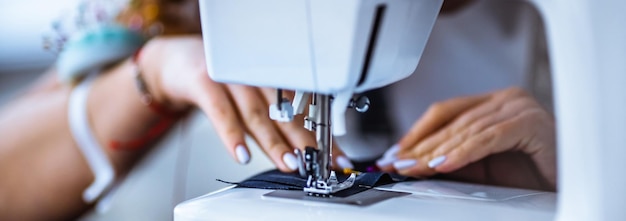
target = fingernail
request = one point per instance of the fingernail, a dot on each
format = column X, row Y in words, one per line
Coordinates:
column 393, row 150
column 344, row 163
column 403, row 164
column 386, row 161
column 436, row 162
column 291, row 161
column 242, row 154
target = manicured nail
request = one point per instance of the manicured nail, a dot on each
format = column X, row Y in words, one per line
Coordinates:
column 344, row 163
column 436, row 162
column 242, row 154
column 291, row 161
column 392, row 151
column 403, row 164
column 386, row 161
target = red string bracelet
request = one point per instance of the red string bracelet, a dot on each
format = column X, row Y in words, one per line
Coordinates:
column 167, row 117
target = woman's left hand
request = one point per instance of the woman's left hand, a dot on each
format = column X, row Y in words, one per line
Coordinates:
column 176, row 69
column 458, row 132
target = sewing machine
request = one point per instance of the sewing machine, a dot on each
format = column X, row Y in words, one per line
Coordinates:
column 328, row 50
column 324, row 49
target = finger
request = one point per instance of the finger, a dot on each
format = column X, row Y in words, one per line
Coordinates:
column 495, row 139
column 254, row 111
column 433, row 150
column 385, row 163
column 413, row 167
column 468, row 117
column 215, row 102
column 434, row 157
column 429, row 144
column 440, row 153
column 499, row 101
column 453, row 132
column 388, row 169
column 422, row 154
column 299, row 137
column 294, row 131
column 501, row 110
column 426, row 142
column 411, row 164
column 468, row 131
column 408, row 163
column 437, row 116
column 509, row 110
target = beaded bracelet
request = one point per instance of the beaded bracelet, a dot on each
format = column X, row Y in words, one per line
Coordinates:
column 168, row 118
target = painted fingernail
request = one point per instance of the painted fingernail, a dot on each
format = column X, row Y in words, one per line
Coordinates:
column 392, row 151
column 403, row 164
column 344, row 163
column 386, row 161
column 242, row 154
column 291, row 161
column 436, row 162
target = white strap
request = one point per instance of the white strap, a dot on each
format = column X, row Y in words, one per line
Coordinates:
column 87, row 143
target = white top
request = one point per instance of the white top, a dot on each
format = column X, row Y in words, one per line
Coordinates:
column 478, row 49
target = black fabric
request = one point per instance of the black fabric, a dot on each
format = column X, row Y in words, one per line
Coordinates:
column 276, row 180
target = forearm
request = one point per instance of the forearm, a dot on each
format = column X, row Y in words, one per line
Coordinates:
column 40, row 167
column 42, row 170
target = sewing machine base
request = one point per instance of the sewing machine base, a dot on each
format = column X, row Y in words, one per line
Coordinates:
column 424, row 200
column 364, row 198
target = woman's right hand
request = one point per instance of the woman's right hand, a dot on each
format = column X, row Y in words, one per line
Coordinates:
column 176, row 73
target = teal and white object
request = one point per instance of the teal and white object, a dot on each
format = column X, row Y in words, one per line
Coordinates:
column 95, row 48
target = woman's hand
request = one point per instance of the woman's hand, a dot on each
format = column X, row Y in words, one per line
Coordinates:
column 177, row 70
column 458, row 132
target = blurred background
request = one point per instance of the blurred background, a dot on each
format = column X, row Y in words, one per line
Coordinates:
column 22, row 57
column 184, row 165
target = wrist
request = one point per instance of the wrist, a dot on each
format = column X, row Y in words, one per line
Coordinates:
column 123, row 123
column 117, row 113
column 148, row 62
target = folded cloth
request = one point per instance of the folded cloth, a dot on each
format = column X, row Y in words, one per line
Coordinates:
column 276, row 180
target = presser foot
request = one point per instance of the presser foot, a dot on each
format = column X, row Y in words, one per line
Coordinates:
column 323, row 188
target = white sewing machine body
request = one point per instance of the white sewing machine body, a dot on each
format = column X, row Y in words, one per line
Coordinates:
column 323, row 46
column 587, row 47
column 315, row 46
